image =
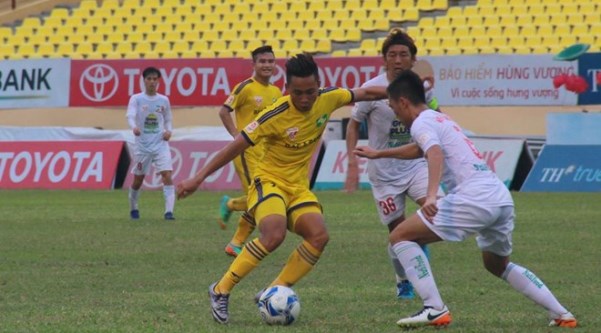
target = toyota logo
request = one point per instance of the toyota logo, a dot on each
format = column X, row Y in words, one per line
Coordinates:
column 98, row 82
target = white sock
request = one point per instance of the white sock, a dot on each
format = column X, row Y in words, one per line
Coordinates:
column 532, row 287
column 169, row 194
column 396, row 264
column 133, row 198
column 417, row 269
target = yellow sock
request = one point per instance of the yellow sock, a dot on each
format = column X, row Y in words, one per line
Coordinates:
column 246, row 225
column 237, row 204
column 245, row 262
column 299, row 264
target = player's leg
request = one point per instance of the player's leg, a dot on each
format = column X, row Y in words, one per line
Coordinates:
column 405, row 240
column 141, row 166
column 228, row 205
column 495, row 243
column 403, row 286
column 168, row 194
column 306, row 221
column 246, row 223
column 271, row 214
column 162, row 162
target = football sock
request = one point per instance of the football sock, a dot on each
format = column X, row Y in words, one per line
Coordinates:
column 133, row 198
column 396, row 264
column 246, row 225
column 169, row 194
column 238, row 204
column 419, row 273
column 299, row 264
column 252, row 253
column 524, row 281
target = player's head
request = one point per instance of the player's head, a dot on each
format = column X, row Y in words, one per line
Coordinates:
column 263, row 62
column 398, row 51
column 151, row 77
column 405, row 93
column 302, row 81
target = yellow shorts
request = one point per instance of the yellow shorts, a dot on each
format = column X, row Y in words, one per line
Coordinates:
column 273, row 198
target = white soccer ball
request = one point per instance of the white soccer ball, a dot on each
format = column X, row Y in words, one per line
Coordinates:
column 279, row 305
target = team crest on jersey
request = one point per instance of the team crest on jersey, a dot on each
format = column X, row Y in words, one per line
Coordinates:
column 160, row 109
column 251, row 127
column 292, row 133
column 258, row 100
column 322, row 120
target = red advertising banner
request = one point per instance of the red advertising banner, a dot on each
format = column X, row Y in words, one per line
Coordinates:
column 59, row 164
column 195, row 82
column 188, row 158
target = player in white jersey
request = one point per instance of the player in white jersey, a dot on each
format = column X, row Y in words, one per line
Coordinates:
column 477, row 203
column 149, row 117
column 391, row 180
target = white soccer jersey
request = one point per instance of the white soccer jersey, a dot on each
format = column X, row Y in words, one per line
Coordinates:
column 464, row 170
column 152, row 115
column 385, row 131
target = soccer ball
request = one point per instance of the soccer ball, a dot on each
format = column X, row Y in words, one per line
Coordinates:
column 279, row 305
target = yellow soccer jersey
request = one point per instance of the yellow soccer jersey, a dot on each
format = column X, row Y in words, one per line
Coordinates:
column 248, row 98
column 290, row 136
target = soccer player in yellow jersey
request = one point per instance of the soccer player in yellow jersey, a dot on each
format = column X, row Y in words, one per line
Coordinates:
column 279, row 197
column 247, row 99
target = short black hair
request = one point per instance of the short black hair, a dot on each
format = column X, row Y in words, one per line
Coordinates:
column 408, row 85
column 260, row 50
column 301, row 65
column 151, row 70
column 396, row 36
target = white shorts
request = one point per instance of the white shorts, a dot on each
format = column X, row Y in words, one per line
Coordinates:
column 390, row 197
column 161, row 161
column 459, row 217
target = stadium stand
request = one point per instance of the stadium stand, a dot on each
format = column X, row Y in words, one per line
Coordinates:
column 128, row 29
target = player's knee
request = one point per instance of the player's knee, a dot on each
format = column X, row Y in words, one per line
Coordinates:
column 496, row 265
column 319, row 240
column 272, row 240
column 397, row 235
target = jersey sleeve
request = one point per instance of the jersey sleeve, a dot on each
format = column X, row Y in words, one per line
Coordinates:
column 265, row 123
column 338, row 97
column 361, row 110
column 424, row 134
column 132, row 108
column 236, row 98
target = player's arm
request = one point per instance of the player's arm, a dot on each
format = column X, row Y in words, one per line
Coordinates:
column 405, row 152
column 224, row 156
column 168, row 122
column 434, row 157
column 132, row 109
column 228, row 122
column 369, row 93
column 352, row 174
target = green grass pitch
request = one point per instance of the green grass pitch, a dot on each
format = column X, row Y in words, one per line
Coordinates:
column 72, row 261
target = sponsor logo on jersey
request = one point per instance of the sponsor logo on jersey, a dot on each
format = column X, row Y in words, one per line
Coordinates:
column 258, row 100
column 251, row 127
column 322, row 120
column 292, row 133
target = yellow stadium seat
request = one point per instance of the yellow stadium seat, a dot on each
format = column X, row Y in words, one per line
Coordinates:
column 347, row 24
column 279, row 7
column 521, row 49
column 411, row 14
column 188, row 55
column 265, row 35
column 569, row 8
column 283, row 34
column 524, row 20
column 368, row 44
column 515, row 41
column 511, row 30
column 124, row 48
column 226, row 54
column 82, row 51
column 477, row 31
column 329, row 24
column 454, row 11
column 247, row 35
column 104, row 30
column 55, row 39
column 289, row 45
column 339, row 53
column 443, row 21
column 444, row 31
column 255, row 43
column 536, row 9
column 143, row 48
column 494, row 31
column 486, row 49
column 218, row 45
column 236, row 45
column 474, row 20
column 104, row 48
column 210, row 35
column 65, row 50
column 504, row 49
column 60, row 13
column 180, row 46
column 448, row 43
column 487, row 11
column 542, row 19
column 567, row 40
column 580, row 29
column 77, row 39
column 88, row 4
column 199, row 46
column 440, row 4
column 498, row 41
column 492, row 20
column 432, row 42
column 297, row 6
column 354, row 53
column 561, row 30
column 46, row 50
column 453, row 51
column 358, row 14
column 528, row 30
column 587, row 39
column 533, row 40
column 458, row 21
column 588, row 7
column 539, row 49
column 85, row 30
column 319, row 33
column 435, row 52
column 162, row 47
column 308, row 45
column 470, row 11
column 461, row 31
column 507, row 20
column 261, row 7
column 465, row 42
column 259, row 25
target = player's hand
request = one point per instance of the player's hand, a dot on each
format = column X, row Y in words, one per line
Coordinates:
column 365, row 151
column 166, row 135
column 429, row 208
column 186, row 188
column 136, row 131
column 351, row 182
